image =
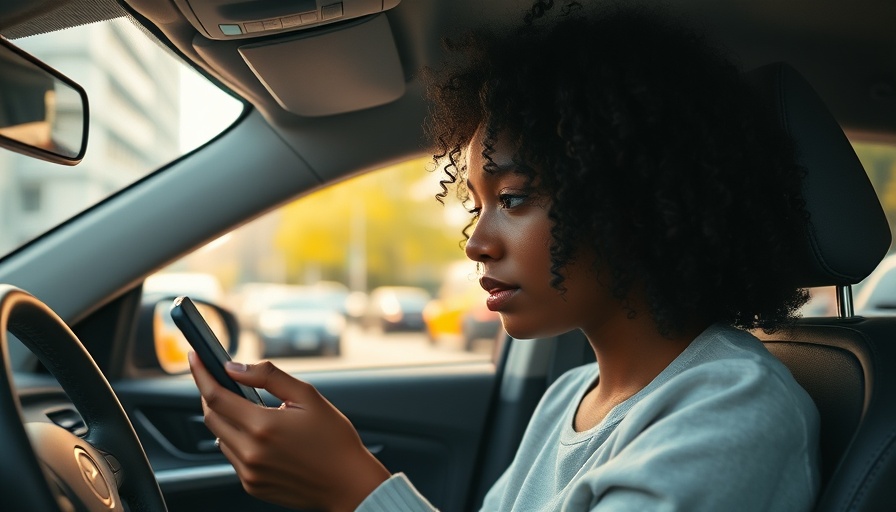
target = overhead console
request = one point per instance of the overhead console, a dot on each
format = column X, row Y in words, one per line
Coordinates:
column 243, row 19
column 348, row 67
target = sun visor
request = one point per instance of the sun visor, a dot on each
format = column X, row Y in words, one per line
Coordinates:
column 348, row 68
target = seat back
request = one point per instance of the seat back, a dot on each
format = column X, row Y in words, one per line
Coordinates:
column 846, row 364
column 849, row 369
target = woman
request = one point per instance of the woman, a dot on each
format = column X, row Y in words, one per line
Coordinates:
column 623, row 180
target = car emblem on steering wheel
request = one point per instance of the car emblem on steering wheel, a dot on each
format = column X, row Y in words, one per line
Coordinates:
column 90, row 470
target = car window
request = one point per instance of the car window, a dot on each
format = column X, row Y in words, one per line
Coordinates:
column 142, row 97
column 399, row 288
column 367, row 272
column 876, row 294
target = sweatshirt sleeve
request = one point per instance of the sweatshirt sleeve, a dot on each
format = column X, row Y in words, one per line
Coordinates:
column 396, row 494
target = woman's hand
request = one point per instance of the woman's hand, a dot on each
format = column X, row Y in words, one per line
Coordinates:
column 304, row 454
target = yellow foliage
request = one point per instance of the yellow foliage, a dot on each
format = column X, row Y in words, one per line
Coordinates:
column 381, row 217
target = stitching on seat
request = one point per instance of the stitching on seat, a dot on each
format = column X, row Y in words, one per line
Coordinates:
column 883, row 454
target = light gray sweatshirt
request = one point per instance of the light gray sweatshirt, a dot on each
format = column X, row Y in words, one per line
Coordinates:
column 724, row 427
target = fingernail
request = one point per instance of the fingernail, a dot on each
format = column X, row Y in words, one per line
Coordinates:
column 190, row 357
column 236, row 367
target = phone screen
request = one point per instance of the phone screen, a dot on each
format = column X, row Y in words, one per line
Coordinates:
column 209, row 350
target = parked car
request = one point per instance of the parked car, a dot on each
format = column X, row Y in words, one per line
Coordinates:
column 458, row 312
column 877, row 296
column 316, row 105
column 479, row 323
column 306, row 322
column 396, row 308
column 250, row 299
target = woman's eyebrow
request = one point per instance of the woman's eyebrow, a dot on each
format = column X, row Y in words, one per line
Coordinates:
column 488, row 176
column 494, row 173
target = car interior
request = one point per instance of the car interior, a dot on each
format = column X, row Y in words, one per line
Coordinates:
column 330, row 91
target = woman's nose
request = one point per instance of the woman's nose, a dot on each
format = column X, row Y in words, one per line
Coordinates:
column 483, row 244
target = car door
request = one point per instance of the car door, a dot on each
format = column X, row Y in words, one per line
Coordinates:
column 451, row 427
column 427, row 422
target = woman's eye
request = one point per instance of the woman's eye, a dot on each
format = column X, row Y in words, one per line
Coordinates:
column 509, row 201
column 474, row 211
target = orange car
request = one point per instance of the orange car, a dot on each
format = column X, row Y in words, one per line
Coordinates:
column 459, row 311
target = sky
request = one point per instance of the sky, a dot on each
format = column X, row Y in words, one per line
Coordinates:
column 205, row 109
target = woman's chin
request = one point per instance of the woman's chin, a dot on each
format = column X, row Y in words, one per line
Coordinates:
column 522, row 331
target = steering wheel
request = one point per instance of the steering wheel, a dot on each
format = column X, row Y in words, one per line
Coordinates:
column 45, row 467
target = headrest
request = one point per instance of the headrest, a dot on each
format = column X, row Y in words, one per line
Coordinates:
column 848, row 233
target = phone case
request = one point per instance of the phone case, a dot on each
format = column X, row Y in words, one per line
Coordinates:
column 207, row 347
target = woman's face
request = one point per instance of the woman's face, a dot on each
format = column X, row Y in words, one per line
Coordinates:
column 511, row 240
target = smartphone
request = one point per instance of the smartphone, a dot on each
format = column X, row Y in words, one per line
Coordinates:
column 207, row 347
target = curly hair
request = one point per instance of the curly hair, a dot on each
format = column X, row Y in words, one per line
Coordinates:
column 655, row 151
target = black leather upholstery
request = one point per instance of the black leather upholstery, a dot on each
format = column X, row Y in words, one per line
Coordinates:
column 848, row 232
column 847, row 365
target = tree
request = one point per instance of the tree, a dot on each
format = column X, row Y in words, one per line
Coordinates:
column 389, row 220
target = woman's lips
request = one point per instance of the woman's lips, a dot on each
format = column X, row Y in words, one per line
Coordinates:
column 497, row 299
column 499, row 293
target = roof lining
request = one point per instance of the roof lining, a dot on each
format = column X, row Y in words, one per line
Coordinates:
column 58, row 15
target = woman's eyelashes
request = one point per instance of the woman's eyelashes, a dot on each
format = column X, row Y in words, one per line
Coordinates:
column 509, row 201
column 504, row 201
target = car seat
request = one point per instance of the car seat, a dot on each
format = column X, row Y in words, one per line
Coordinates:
column 847, row 364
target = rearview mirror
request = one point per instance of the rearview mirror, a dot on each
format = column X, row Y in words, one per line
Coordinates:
column 43, row 113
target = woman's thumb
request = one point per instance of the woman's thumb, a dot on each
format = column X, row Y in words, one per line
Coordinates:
column 266, row 376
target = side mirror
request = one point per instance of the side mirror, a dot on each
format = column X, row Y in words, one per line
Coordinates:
column 43, row 113
column 161, row 345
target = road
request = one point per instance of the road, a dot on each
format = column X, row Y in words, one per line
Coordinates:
column 371, row 348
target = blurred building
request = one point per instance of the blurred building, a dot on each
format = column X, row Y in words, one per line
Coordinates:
column 134, row 126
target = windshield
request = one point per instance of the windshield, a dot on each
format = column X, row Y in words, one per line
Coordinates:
column 141, row 98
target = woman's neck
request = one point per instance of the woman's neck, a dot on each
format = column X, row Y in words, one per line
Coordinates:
column 630, row 354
